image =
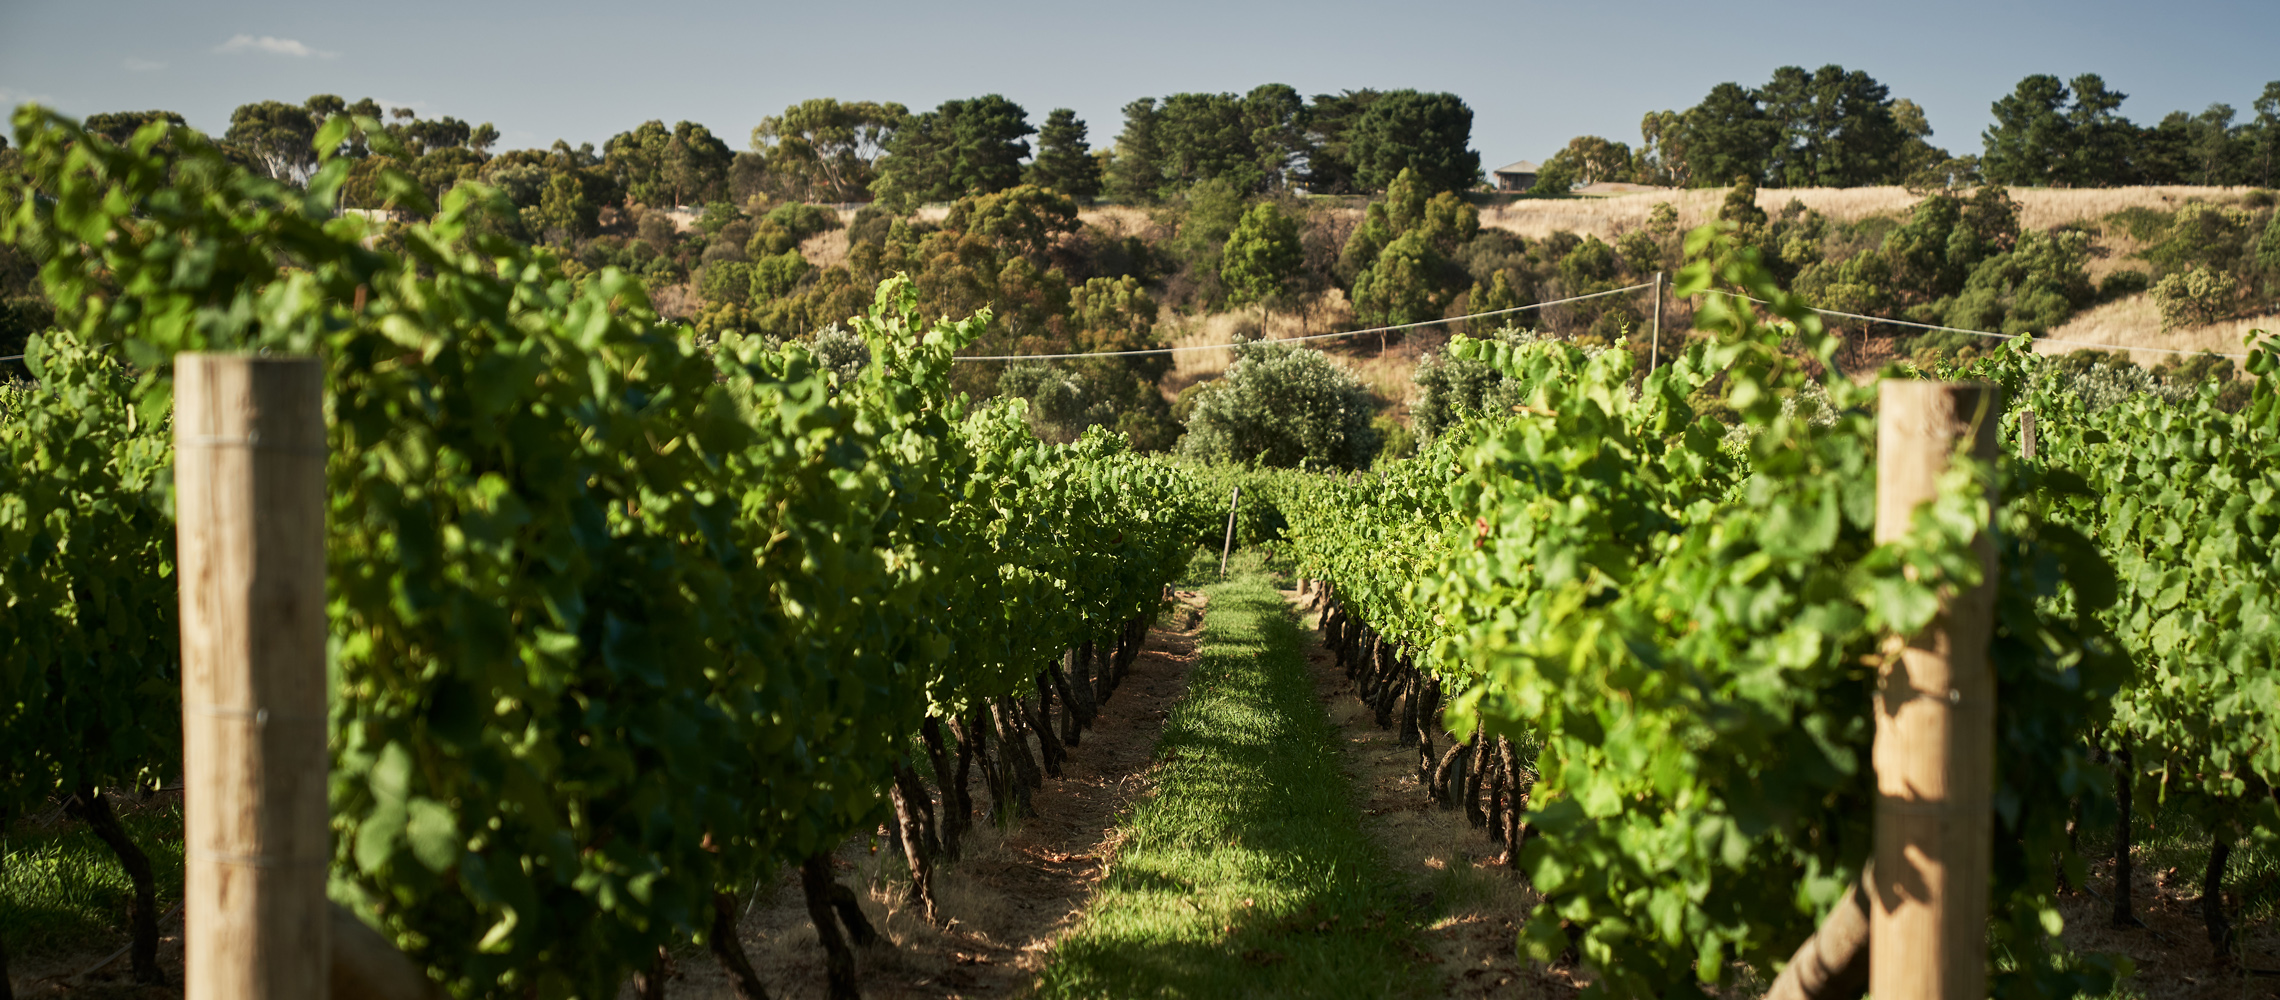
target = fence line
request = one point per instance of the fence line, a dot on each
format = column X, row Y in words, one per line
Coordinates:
column 1316, row 336
column 1980, row 333
column 1556, row 302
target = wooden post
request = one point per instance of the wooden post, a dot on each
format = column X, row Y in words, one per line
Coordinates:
column 2027, row 434
column 249, row 475
column 1229, row 545
column 1935, row 722
column 1654, row 351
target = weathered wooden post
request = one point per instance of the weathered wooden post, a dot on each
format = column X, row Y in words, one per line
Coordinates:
column 2027, row 434
column 1654, row 348
column 1935, row 722
column 1229, row 545
column 249, row 476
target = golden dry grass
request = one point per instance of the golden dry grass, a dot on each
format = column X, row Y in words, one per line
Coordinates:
column 1117, row 220
column 1324, row 314
column 1610, row 216
column 827, row 248
column 2135, row 323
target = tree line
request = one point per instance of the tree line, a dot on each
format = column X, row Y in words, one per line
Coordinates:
column 1838, row 127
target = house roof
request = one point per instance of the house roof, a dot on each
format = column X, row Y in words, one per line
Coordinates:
column 1517, row 167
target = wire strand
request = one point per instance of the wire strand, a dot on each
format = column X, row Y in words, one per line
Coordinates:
column 1315, row 336
column 1979, row 333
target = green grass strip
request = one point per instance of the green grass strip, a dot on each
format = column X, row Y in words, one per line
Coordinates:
column 1247, row 873
column 64, row 892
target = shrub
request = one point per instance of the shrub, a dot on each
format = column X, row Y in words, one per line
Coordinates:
column 776, row 276
column 802, row 221
column 844, row 353
column 717, row 216
column 727, row 282
column 2123, row 284
column 1741, row 207
column 871, row 224
column 1450, row 389
column 2141, row 222
column 2201, row 235
column 2195, row 297
column 1283, row 406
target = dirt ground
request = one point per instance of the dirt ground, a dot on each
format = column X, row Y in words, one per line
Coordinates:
column 2171, row 951
column 1455, row 869
column 1014, row 893
column 69, row 975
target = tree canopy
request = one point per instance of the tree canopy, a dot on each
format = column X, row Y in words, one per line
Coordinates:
column 1428, row 134
column 1064, row 161
column 963, row 147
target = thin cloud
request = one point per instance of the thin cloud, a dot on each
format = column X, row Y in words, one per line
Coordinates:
column 10, row 95
column 271, row 45
column 135, row 65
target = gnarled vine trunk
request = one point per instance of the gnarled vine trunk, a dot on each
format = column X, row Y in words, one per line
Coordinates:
column 94, row 808
column 816, row 884
column 728, row 949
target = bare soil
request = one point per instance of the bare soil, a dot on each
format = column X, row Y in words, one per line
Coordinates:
column 1456, row 871
column 2172, row 953
column 77, row 975
column 1013, row 895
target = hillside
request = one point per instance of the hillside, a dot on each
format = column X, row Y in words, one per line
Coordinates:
column 2131, row 321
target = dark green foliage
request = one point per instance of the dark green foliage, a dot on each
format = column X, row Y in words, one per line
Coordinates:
column 2028, row 289
column 2123, row 284
column 1741, row 207
column 1135, row 177
column 1426, row 135
column 963, row 147
column 1261, row 256
column 1331, row 121
column 1250, row 142
column 1284, row 407
column 1834, row 128
column 2072, row 134
column 119, row 126
column 1064, row 161
column 1726, row 137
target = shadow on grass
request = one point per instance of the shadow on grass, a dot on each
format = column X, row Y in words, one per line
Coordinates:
column 63, row 891
column 1247, row 874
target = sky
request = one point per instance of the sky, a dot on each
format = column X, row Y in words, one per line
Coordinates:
column 1535, row 73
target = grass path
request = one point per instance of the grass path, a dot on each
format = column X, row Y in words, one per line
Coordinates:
column 1247, row 873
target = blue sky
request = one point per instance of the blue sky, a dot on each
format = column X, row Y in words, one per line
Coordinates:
column 1535, row 73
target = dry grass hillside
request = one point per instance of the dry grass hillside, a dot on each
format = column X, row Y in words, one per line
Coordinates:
column 2130, row 323
column 1608, row 216
column 2133, row 323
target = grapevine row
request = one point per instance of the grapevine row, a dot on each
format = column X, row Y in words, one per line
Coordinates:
column 1650, row 612
column 619, row 625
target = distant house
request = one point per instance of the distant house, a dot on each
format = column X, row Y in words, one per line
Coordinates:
column 1519, row 175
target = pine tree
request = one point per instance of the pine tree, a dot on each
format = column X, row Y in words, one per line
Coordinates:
column 1064, row 161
